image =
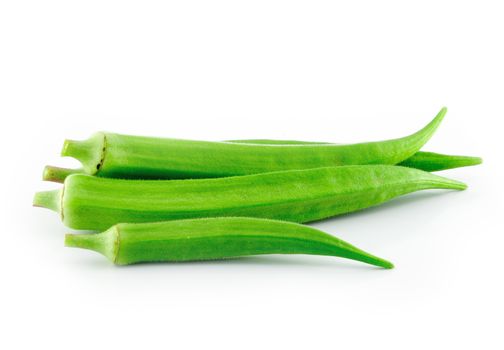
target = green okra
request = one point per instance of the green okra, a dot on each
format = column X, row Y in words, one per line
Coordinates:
column 214, row 238
column 123, row 156
column 430, row 161
column 427, row 161
column 94, row 203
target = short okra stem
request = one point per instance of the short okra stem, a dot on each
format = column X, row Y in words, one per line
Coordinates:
column 105, row 243
column 48, row 199
column 90, row 152
column 57, row 174
column 215, row 238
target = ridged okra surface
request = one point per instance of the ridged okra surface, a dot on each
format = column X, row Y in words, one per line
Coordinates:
column 124, row 156
column 89, row 202
column 214, row 238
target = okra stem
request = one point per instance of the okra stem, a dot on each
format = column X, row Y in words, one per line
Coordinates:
column 48, row 199
column 89, row 152
column 57, row 174
column 105, row 243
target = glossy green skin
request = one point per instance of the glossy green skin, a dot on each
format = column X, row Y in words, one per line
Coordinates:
column 95, row 203
column 123, row 156
column 427, row 161
column 215, row 238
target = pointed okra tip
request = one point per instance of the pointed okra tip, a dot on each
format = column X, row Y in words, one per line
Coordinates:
column 438, row 118
column 384, row 263
column 468, row 161
column 476, row 160
column 430, row 128
column 455, row 185
column 418, row 139
column 374, row 260
column 360, row 255
column 432, row 181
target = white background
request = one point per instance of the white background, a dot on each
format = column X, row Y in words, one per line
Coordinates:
column 311, row 70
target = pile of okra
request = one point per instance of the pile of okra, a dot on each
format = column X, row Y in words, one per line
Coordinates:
column 160, row 199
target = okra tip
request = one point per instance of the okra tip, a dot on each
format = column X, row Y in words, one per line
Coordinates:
column 468, row 161
column 383, row 263
column 457, row 185
column 432, row 126
column 461, row 161
column 441, row 182
column 360, row 255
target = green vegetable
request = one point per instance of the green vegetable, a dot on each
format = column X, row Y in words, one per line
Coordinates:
column 122, row 156
column 214, row 238
column 427, row 161
column 430, row 161
column 89, row 202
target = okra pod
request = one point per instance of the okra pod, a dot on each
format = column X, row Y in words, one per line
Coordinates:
column 427, row 161
column 214, row 238
column 94, row 203
column 123, row 156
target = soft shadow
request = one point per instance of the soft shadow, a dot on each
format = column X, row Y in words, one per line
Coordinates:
column 266, row 261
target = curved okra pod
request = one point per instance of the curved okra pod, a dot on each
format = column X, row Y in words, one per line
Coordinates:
column 427, row 161
column 122, row 156
column 214, row 238
column 90, row 202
